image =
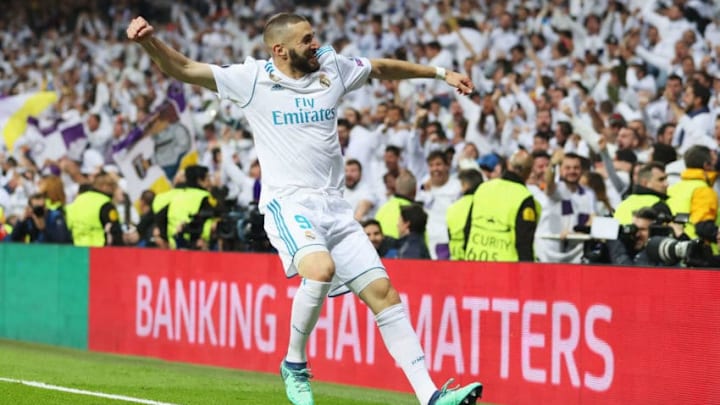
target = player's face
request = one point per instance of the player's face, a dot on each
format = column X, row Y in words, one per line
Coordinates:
column 303, row 49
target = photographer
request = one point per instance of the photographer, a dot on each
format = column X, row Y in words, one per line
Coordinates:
column 41, row 224
column 629, row 248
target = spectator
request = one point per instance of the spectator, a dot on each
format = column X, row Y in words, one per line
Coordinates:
column 384, row 245
column 411, row 228
column 568, row 205
column 695, row 125
column 436, row 195
column 358, row 193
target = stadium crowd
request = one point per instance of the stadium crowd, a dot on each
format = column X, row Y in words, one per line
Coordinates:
column 598, row 108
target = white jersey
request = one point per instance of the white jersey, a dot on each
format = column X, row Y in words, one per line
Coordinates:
column 294, row 122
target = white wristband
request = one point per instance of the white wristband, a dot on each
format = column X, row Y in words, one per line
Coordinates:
column 440, row 73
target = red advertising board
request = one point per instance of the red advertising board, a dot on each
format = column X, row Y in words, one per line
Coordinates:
column 532, row 333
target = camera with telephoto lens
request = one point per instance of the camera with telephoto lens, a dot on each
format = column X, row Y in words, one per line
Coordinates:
column 691, row 253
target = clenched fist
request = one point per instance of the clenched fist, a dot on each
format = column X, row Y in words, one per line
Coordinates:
column 139, row 29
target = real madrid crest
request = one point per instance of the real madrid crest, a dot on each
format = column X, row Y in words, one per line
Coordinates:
column 324, row 80
column 274, row 77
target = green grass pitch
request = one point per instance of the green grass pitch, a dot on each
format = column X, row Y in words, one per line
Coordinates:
column 153, row 380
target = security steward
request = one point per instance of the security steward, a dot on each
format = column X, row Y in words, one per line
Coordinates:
column 92, row 218
column 191, row 213
column 648, row 192
column 160, row 210
column 458, row 214
column 694, row 194
column 389, row 213
column 504, row 215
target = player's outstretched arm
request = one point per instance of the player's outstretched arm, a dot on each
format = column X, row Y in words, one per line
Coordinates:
column 170, row 61
column 393, row 69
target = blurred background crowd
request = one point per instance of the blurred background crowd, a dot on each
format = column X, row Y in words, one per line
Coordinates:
column 598, row 109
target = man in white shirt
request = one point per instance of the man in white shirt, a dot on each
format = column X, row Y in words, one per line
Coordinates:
column 695, row 125
column 291, row 104
column 358, row 193
column 437, row 194
column 568, row 205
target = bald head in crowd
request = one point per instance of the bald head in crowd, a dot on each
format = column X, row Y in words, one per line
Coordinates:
column 521, row 163
column 406, row 185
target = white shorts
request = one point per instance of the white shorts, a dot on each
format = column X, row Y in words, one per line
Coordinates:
column 299, row 225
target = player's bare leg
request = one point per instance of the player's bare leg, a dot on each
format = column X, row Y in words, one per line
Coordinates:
column 403, row 344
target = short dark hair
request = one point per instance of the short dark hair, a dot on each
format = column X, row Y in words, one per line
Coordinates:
column 371, row 221
column 540, row 153
column 702, row 92
column 664, row 127
column 343, row 122
column 147, row 197
column 195, row 173
column 471, row 177
column 674, row 77
column 438, row 154
column 697, row 156
column 277, row 23
column 393, row 149
column 646, row 213
column 416, row 216
column 565, row 127
column 645, row 172
column 355, row 162
column 664, row 153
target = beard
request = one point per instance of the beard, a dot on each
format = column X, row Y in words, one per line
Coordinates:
column 305, row 63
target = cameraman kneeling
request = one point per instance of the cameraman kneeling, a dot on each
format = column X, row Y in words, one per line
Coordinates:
column 629, row 248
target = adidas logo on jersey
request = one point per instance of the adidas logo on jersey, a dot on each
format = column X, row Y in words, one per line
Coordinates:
column 276, row 87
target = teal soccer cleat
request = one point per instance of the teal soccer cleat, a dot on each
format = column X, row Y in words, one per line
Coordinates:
column 468, row 394
column 297, row 384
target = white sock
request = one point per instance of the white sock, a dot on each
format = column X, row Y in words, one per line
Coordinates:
column 306, row 308
column 404, row 346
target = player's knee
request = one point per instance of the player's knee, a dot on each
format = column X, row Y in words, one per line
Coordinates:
column 317, row 266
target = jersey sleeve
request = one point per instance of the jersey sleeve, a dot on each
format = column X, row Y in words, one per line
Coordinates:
column 354, row 71
column 236, row 82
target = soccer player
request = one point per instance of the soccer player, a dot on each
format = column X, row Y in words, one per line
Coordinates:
column 291, row 103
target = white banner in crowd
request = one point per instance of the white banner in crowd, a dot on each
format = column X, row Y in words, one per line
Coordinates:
column 56, row 140
column 152, row 153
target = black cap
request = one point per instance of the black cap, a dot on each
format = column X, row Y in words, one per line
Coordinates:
column 612, row 40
